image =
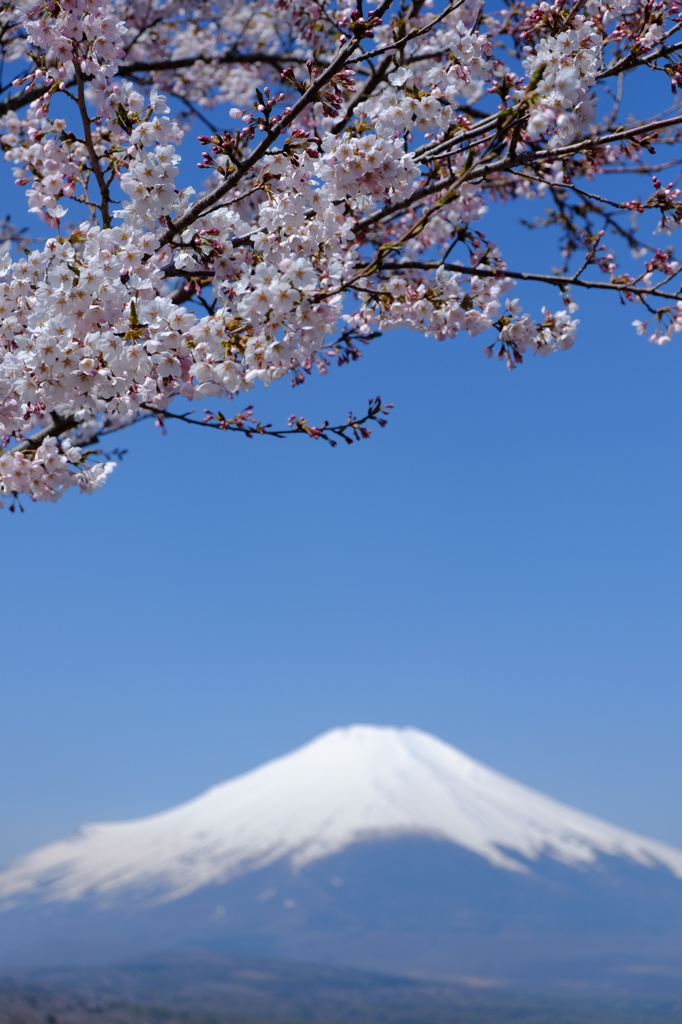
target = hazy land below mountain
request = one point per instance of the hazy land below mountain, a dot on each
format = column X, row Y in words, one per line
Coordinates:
column 205, row 988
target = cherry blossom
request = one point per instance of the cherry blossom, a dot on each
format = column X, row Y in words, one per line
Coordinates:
column 354, row 162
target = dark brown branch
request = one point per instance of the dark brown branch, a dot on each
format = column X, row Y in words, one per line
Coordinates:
column 414, row 34
column 59, row 425
column 353, row 429
column 105, row 197
column 277, row 60
column 558, row 280
column 589, row 142
column 479, row 170
column 378, row 75
column 309, row 96
column 573, row 188
column 632, row 61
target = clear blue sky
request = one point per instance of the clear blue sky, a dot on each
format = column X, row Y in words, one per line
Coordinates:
column 500, row 565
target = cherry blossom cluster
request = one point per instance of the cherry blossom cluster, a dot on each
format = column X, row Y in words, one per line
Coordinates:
column 87, row 31
column 356, row 159
column 47, row 471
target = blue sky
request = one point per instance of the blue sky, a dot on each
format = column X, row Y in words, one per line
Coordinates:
column 500, row 565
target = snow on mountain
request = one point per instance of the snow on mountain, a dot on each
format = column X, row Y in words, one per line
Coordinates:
column 349, row 785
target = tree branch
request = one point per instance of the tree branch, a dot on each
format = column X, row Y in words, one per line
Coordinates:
column 558, row 280
column 478, row 171
column 94, row 159
column 277, row 60
column 59, row 425
column 353, row 429
column 206, row 202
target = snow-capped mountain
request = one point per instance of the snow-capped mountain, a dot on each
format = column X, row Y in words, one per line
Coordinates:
column 349, row 785
column 370, row 847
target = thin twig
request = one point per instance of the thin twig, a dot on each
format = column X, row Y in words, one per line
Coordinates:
column 353, row 429
column 94, row 159
column 558, row 280
column 480, row 170
column 277, row 60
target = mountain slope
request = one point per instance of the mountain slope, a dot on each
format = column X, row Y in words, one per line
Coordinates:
column 349, row 785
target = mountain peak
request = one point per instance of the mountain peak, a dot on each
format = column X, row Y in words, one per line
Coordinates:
column 351, row 784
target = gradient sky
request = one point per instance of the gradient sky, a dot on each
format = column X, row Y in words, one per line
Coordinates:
column 500, row 566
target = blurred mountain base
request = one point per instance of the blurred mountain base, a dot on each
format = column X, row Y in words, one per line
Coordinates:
column 209, row 988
